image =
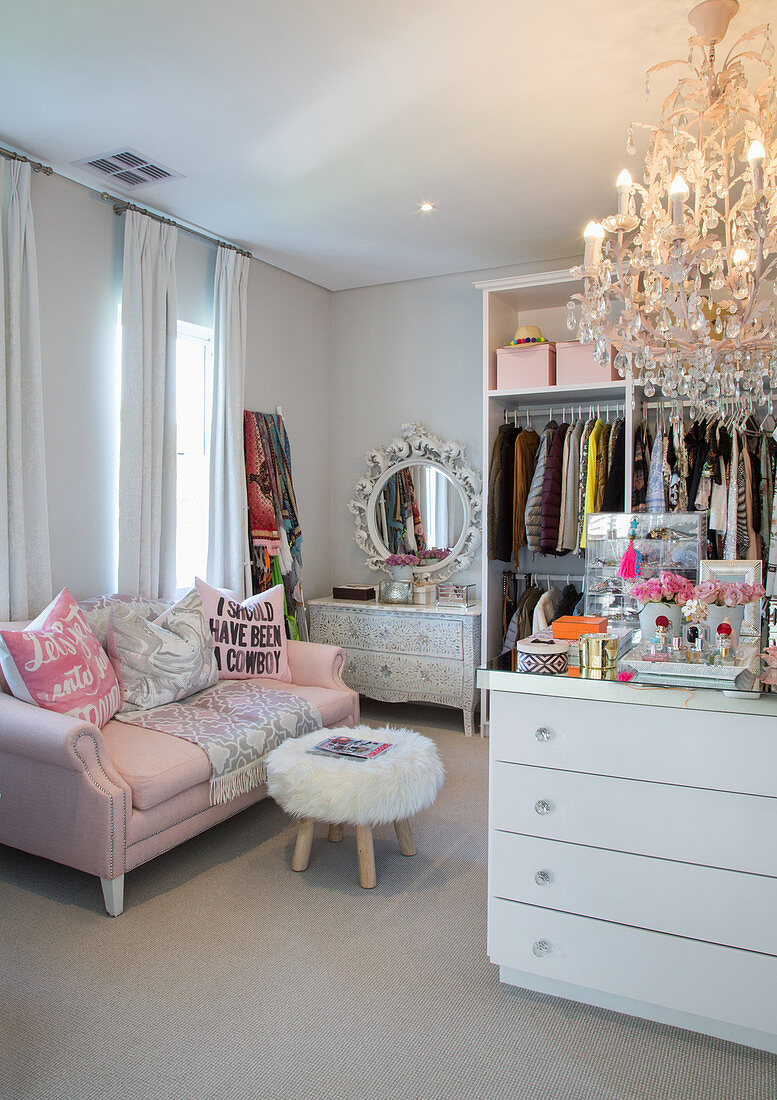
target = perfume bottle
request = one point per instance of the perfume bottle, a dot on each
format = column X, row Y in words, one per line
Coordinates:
column 724, row 652
column 660, row 638
column 679, row 650
column 693, row 632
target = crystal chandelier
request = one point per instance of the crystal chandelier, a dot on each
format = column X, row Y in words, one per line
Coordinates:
column 680, row 281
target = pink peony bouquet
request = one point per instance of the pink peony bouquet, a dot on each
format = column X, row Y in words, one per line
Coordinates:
column 665, row 588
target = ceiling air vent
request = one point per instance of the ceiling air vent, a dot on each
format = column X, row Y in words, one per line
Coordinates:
column 127, row 168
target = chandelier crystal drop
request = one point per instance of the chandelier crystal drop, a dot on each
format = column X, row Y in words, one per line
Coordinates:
column 680, row 281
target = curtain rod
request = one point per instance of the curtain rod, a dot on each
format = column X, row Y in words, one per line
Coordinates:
column 36, row 166
column 120, row 206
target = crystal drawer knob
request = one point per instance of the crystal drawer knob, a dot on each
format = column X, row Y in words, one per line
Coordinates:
column 541, row 948
column 542, row 878
column 542, row 807
column 543, row 734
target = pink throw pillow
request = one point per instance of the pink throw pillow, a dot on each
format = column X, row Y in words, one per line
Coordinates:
column 57, row 663
column 250, row 637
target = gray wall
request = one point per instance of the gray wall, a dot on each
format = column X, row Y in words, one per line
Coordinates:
column 403, row 352
column 287, row 364
column 400, row 352
column 79, row 244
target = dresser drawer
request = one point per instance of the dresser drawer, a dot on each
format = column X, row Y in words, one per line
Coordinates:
column 667, row 745
column 716, row 828
column 719, row 983
column 704, row 903
column 389, row 632
column 380, row 675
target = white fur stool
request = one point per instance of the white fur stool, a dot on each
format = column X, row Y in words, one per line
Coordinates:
column 391, row 788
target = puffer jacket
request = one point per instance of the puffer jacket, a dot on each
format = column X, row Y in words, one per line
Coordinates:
column 551, row 492
column 533, row 517
column 526, row 446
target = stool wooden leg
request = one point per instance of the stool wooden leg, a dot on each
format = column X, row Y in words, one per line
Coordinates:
column 301, row 856
column 366, row 854
column 336, row 833
column 405, row 837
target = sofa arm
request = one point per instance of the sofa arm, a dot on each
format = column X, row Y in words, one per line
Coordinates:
column 44, row 735
column 60, row 794
column 314, row 664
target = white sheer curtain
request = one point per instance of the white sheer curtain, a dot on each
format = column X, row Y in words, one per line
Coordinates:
column 147, row 455
column 228, row 551
column 25, row 558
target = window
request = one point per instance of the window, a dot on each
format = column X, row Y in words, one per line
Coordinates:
column 194, row 387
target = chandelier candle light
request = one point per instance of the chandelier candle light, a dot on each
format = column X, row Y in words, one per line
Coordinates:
column 680, row 280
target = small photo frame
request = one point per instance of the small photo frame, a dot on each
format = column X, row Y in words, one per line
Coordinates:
column 739, row 571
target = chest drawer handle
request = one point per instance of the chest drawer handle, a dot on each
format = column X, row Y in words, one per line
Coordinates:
column 541, row 948
column 543, row 734
column 542, row 807
column 542, row 878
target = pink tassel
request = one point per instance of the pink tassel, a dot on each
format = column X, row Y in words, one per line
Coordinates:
column 628, row 566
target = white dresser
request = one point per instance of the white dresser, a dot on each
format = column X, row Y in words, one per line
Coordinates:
column 404, row 652
column 633, row 850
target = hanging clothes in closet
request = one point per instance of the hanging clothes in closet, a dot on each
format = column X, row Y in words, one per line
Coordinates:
column 715, row 466
column 542, row 486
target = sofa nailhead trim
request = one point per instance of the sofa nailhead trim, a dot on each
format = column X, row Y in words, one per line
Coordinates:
column 109, row 796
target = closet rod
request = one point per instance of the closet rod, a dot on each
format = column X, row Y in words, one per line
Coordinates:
column 671, row 402
column 589, row 407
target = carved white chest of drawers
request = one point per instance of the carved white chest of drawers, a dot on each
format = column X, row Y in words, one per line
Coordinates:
column 403, row 652
column 632, row 856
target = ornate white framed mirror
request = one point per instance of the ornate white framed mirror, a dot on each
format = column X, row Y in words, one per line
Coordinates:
column 419, row 495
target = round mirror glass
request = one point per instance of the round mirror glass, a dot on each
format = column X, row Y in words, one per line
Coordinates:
column 418, row 507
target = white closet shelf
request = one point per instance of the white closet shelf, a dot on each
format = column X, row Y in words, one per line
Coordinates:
column 585, row 393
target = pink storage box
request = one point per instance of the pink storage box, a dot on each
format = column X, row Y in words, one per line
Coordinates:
column 525, row 366
column 575, row 364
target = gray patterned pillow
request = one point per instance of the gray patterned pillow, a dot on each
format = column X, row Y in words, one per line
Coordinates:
column 97, row 611
column 165, row 659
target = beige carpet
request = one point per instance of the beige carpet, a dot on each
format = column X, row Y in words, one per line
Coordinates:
column 230, row 977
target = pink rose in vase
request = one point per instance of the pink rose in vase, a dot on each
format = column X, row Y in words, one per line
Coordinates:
column 732, row 595
column 707, row 592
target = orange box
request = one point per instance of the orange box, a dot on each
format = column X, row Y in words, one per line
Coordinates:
column 572, row 626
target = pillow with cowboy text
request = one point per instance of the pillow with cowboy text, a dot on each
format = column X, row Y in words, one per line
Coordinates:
column 250, row 637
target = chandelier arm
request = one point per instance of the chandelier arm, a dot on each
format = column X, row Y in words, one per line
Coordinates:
column 756, row 282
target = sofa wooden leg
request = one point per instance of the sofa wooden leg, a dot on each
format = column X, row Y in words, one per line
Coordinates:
column 113, row 894
column 301, row 856
column 336, row 833
column 405, row 837
column 366, row 854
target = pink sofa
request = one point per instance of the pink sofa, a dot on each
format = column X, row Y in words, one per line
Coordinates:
column 107, row 800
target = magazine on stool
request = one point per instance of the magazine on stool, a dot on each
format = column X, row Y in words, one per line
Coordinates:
column 354, row 748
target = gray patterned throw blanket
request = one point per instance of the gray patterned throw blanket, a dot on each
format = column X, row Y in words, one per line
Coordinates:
column 236, row 724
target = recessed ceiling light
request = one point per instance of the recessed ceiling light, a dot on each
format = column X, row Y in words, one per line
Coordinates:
column 425, row 207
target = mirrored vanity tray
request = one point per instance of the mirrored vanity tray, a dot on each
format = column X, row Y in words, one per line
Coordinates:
column 741, row 676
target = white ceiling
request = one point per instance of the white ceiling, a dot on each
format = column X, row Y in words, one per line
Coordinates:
column 311, row 130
